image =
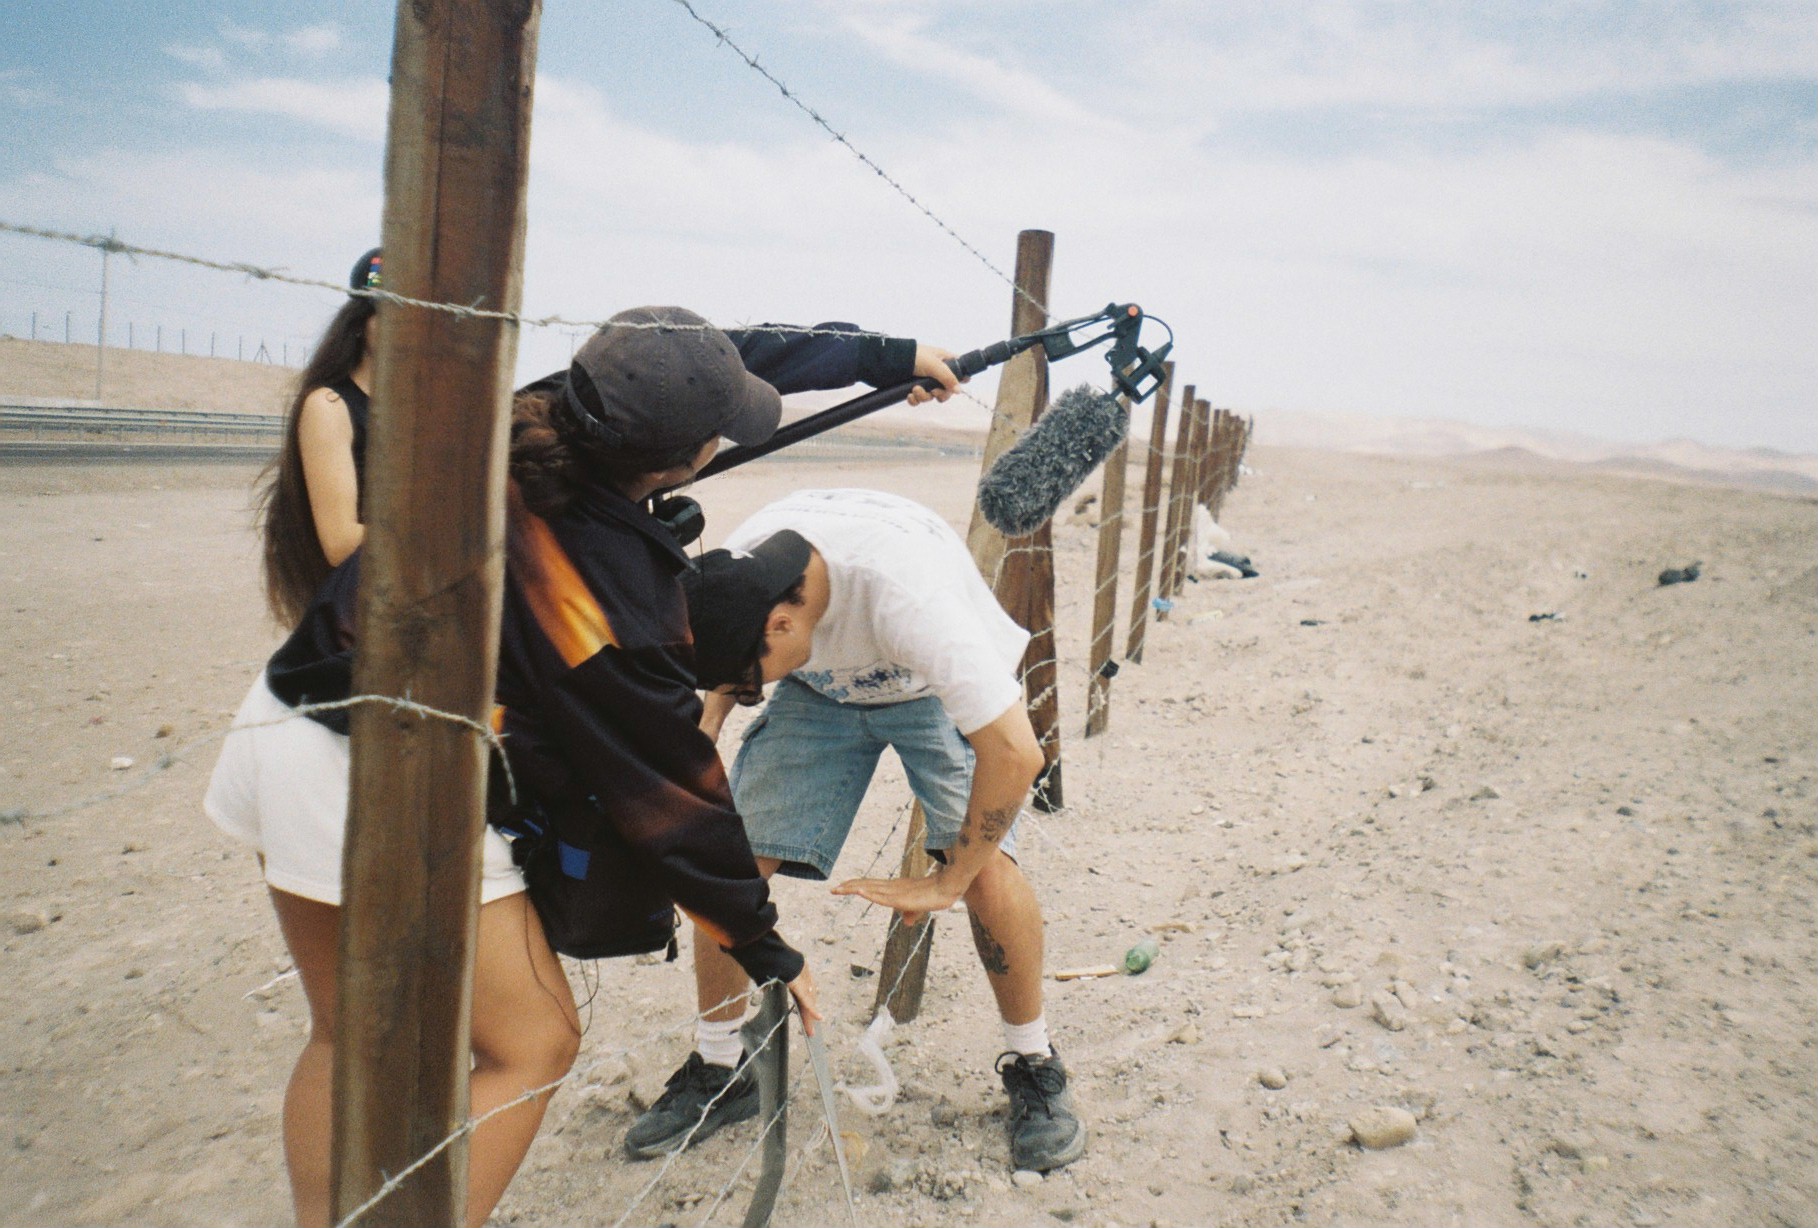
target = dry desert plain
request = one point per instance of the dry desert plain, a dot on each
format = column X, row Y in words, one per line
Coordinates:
column 1546, row 886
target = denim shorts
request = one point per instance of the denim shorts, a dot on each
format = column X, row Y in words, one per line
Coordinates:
column 807, row 760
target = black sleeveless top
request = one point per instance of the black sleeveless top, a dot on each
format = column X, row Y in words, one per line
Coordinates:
column 359, row 406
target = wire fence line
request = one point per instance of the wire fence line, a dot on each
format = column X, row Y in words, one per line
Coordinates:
column 795, row 99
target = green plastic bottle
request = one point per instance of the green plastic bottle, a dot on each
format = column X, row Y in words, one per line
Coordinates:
column 1139, row 957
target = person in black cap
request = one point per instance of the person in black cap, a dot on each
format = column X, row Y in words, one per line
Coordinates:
column 622, row 810
column 310, row 496
column 867, row 612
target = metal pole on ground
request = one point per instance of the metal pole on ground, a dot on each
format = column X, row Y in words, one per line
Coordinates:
column 430, row 593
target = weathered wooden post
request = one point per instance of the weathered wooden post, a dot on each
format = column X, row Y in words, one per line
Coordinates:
column 1152, row 495
column 1020, row 572
column 1169, row 583
column 456, row 159
column 1104, row 592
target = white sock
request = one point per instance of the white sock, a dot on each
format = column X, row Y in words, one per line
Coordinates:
column 1030, row 1038
column 719, row 1043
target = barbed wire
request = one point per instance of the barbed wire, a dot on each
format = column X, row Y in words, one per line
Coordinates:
column 794, row 98
column 378, row 294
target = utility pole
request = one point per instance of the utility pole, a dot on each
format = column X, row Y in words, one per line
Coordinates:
column 107, row 250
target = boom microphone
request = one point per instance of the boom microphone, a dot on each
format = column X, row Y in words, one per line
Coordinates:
column 1028, row 483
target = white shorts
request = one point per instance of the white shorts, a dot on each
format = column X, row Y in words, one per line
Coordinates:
column 281, row 786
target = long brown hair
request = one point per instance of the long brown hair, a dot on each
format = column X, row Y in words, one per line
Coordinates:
column 294, row 564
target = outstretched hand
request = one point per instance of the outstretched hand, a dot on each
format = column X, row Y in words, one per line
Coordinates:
column 931, row 361
column 915, row 898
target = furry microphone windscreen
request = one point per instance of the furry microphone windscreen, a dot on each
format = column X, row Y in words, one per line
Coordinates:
column 1025, row 485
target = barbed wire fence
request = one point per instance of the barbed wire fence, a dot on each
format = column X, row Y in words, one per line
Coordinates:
column 1020, row 553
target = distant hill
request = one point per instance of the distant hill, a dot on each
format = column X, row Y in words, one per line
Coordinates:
column 52, row 373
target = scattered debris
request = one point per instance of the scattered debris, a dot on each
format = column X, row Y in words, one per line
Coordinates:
column 1077, row 974
column 1312, row 622
column 1681, row 575
column 1551, row 616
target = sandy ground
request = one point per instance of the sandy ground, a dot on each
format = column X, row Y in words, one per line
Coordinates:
column 34, row 371
column 1547, row 886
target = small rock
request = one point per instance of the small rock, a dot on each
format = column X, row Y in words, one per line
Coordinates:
column 1382, row 1127
column 120, row 763
column 1025, row 1178
column 1247, row 1012
column 1542, row 953
column 1487, row 793
column 1186, row 1034
column 26, row 921
column 1347, row 996
column 944, row 1115
column 1241, row 1185
column 1272, row 1077
column 1571, row 1145
column 164, row 731
column 1387, row 1010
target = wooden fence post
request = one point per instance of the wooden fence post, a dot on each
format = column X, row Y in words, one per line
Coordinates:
column 1104, row 592
column 1152, row 494
column 1025, row 590
column 1177, row 486
column 428, row 619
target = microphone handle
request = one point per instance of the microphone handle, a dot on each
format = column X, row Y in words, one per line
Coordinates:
column 965, row 365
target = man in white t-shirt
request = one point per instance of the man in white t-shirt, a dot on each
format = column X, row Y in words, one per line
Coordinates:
column 867, row 612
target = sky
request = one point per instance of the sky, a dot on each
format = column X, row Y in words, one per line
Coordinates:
column 1592, row 216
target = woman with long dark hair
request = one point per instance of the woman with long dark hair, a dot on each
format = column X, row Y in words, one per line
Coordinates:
column 310, row 501
column 623, row 812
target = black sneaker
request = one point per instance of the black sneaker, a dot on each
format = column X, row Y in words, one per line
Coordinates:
column 701, row 1098
column 1045, row 1133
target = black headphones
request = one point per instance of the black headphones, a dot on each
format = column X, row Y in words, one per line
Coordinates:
column 682, row 516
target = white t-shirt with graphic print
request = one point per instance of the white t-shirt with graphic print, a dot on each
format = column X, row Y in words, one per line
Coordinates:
column 908, row 616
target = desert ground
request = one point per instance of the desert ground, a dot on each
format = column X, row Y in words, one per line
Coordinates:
column 1545, row 885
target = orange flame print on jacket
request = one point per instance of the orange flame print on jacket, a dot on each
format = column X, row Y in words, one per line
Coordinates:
column 564, row 607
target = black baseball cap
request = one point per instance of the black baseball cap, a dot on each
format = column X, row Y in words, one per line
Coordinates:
column 366, row 272
column 730, row 595
column 654, row 379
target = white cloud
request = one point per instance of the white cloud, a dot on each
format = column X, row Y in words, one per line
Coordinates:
column 355, row 107
column 18, row 88
column 198, row 57
column 314, row 40
column 245, row 36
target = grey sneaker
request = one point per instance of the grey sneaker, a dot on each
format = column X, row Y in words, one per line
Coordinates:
column 699, row 1097
column 1045, row 1133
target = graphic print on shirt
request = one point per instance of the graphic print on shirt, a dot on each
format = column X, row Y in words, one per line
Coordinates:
column 870, row 684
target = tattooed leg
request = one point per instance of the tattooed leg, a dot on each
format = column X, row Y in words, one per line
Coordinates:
column 1007, row 930
column 990, row 950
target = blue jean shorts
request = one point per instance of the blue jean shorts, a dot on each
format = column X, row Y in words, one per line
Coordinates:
column 807, row 760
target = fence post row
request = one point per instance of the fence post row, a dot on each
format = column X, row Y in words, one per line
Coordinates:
column 457, row 154
column 1104, row 590
column 1152, row 496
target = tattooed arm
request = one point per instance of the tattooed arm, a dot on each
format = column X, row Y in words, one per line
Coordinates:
column 1008, row 761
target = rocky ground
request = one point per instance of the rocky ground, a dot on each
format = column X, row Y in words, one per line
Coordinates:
column 1544, row 889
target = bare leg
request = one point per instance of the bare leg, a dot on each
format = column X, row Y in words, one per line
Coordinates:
column 312, row 931
column 525, row 1034
column 717, row 976
column 1007, row 932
